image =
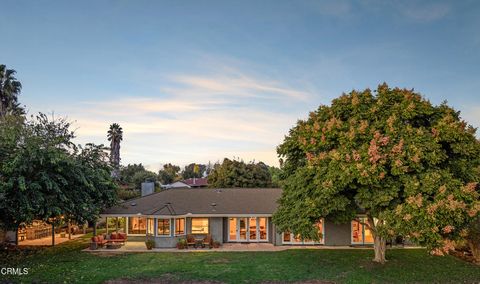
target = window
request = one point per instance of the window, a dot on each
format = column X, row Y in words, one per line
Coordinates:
column 150, row 226
column 179, row 226
column 262, row 228
column 232, row 225
column 289, row 238
column 360, row 233
column 137, row 225
column 248, row 229
column 199, row 225
column 163, row 227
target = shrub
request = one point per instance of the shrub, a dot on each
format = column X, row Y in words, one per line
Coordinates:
column 182, row 243
column 150, row 244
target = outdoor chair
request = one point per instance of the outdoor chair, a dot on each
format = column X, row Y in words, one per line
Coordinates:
column 191, row 241
column 207, row 241
column 119, row 238
column 99, row 241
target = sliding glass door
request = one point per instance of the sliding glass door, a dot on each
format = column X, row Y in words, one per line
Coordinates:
column 247, row 229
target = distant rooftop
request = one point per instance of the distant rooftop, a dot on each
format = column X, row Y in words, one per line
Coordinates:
column 196, row 182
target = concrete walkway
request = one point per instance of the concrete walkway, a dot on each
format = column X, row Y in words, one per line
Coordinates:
column 227, row 247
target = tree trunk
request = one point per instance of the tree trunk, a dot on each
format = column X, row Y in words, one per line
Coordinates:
column 16, row 235
column 94, row 228
column 69, row 228
column 379, row 246
column 53, row 234
column 475, row 248
column 379, row 243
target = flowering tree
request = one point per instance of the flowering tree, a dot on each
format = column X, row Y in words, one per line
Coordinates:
column 411, row 167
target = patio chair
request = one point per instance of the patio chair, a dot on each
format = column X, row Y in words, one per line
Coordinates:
column 191, row 241
column 119, row 238
column 207, row 241
column 98, row 241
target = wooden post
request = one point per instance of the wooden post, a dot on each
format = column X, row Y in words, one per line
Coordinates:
column 116, row 224
column 106, row 223
column 84, row 228
column 94, row 228
column 53, row 234
column 69, row 228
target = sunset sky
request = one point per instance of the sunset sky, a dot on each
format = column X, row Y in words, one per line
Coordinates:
column 196, row 81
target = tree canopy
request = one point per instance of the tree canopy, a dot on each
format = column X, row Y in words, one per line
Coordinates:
column 194, row 170
column 43, row 175
column 169, row 173
column 411, row 167
column 233, row 173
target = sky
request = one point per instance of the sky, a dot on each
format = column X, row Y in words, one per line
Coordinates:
column 197, row 81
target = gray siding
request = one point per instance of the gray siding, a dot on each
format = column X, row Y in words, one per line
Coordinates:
column 216, row 228
column 337, row 234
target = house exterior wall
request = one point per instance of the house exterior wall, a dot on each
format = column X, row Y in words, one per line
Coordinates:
column 337, row 234
column 216, row 228
column 334, row 234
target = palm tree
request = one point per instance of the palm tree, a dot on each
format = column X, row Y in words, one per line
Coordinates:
column 9, row 90
column 115, row 136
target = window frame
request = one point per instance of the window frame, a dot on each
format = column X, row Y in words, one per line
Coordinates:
column 157, row 234
column 184, row 227
column 303, row 242
column 363, row 242
column 127, row 225
column 203, row 233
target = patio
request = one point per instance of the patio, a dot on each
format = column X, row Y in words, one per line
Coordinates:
column 47, row 241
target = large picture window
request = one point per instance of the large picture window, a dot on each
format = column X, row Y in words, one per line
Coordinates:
column 179, row 226
column 289, row 238
column 199, row 225
column 163, row 227
column 360, row 233
column 137, row 225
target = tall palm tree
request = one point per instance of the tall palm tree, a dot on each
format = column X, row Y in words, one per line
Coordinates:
column 9, row 90
column 115, row 136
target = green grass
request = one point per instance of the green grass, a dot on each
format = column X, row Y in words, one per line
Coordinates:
column 67, row 263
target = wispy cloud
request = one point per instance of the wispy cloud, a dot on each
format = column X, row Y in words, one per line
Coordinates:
column 423, row 12
column 197, row 117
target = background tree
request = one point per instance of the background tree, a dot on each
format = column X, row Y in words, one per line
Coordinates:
column 131, row 178
column 233, row 173
column 193, row 170
column 276, row 174
column 115, row 136
column 9, row 90
column 169, row 173
column 411, row 167
column 127, row 172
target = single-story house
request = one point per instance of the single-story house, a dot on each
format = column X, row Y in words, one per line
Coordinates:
column 227, row 214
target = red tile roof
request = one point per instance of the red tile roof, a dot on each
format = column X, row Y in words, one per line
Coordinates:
column 196, row 182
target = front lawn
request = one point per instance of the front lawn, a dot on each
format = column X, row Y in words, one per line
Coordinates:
column 66, row 263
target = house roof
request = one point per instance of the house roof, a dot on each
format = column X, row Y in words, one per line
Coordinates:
column 207, row 201
column 196, row 181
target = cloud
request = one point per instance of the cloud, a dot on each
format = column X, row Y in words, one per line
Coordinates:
column 195, row 118
column 423, row 12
